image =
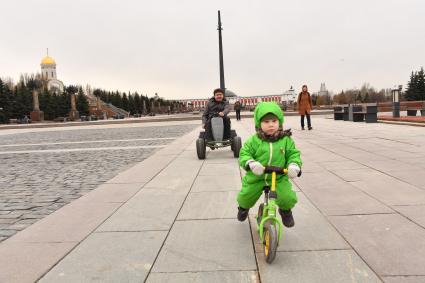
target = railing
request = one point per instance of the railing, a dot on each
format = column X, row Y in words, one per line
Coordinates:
column 116, row 109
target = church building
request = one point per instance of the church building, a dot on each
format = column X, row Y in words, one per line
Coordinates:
column 48, row 74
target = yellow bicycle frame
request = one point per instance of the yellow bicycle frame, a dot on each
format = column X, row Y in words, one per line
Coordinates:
column 269, row 211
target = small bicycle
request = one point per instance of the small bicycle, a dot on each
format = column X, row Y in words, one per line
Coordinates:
column 269, row 226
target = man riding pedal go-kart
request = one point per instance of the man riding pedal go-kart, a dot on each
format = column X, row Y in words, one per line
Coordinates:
column 217, row 106
column 217, row 127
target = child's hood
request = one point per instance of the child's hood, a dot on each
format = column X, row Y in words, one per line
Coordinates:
column 263, row 108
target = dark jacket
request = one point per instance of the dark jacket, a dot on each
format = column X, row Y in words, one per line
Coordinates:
column 213, row 107
column 237, row 106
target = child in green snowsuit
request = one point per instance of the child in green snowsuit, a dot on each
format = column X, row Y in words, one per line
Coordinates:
column 273, row 146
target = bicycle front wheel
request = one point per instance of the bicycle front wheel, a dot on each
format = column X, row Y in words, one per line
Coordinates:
column 270, row 241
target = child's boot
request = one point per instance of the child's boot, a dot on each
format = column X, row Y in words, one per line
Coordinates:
column 287, row 218
column 242, row 213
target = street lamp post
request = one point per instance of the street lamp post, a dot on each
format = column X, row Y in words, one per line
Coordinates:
column 396, row 100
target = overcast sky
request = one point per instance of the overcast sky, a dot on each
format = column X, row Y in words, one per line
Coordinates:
column 171, row 47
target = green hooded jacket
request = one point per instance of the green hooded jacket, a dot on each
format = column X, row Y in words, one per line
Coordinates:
column 278, row 153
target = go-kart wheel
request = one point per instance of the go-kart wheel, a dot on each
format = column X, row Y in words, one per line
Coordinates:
column 270, row 241
column 200, row 148
column 233, row 133
column 236, row 145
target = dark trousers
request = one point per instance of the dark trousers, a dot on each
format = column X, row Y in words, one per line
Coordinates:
column 226, row 133
column 308, row 120
column 238, row 115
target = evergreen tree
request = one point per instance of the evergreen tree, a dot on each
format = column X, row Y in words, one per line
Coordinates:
column 416, row 86
column 366, row 98
column 410, row 93
column 71, row 89
column 131, row 104
column 4, row 104
column 43, row 99
column 22, row 105
column 147, row 104
column 421, row 84
column 118, row 99
column 63, row 104
column 124, row 102
column 358, row 98
column 104, row 97
column 138, row 104
column 82, row 103
column 50, row 112
column 97, row 92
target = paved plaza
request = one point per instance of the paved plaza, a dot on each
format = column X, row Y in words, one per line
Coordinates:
column 169, row 217
column 42, row 171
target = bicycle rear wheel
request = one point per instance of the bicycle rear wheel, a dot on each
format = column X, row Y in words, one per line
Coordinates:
column 260, row 214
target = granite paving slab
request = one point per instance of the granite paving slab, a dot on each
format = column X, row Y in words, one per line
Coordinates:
column 415, row 213
column 346, row 164
column 175, row 183
column 388, row 165
column 316, row 266
column 211, row 183
column 27, row 262
column 205, row 277
column 410, row 176
column 404, row 279
column 351, row 175
column 389, row 243
column 72, row 223
column 112, row 193
column 209, row 205
column 391, row 191
column 143, row 172
column 150, row 209
column 336, row 197
column 109, row 257
column 207, row 245
column 213, row 169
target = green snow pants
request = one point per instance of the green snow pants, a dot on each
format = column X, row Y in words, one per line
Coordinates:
column 250, row 193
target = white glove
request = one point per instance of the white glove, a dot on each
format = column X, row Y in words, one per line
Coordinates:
column 293, row 170
column 256, row 167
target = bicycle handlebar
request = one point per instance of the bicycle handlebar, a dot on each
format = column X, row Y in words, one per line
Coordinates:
column 277, row 170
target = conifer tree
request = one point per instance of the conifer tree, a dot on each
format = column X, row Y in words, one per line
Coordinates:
column 124, row 102
column 82, row 103
column 137, row 104
column 416, row 86
column 4, row 104
column 131, row 104
column 421, row 85
column 410, row 93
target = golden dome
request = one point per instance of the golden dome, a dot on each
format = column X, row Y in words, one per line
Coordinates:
column 48, row 61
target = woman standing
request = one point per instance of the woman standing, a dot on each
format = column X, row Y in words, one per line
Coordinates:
column 237, row 108
column 304, row 106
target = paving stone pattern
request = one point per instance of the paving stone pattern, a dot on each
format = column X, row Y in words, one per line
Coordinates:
column 33, row 185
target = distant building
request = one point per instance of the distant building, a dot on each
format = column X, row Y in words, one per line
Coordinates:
column 48, row 74
column 290, row 96
column 249, row 102
column 323, row 90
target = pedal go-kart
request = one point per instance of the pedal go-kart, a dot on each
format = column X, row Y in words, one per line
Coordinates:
column 217, row 129
column 269, row 225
